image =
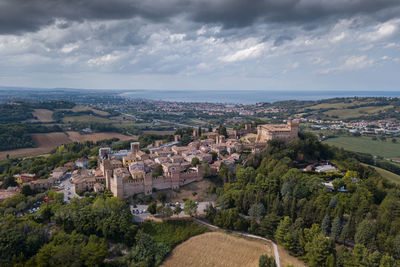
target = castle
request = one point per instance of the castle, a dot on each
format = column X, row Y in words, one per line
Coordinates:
column 285, row 132
column 131, row 172
column 168, row 166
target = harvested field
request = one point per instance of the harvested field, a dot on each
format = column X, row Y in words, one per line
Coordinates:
column 77, row 137
column 287, row 259
column 217, row 249
column 83, row 108
column 46, row 142
column 42, row 115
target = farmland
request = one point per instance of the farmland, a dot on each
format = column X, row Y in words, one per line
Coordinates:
column 42, row 115
column 365, row 144
column 217, row 249
column 45, row 142
column 85, row 118
column 356, row 113
column 392, row 177
column 83, row 108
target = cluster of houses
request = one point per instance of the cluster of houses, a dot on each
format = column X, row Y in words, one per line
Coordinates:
column 56, row 176
column 165, row 166
column 379, row 127
column 168, row 166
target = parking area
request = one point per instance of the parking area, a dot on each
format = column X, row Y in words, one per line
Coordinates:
column 140, row 213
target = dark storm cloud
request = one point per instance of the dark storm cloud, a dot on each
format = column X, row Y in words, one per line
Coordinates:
column 18, row 16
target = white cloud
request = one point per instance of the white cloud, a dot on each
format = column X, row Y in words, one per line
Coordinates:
column 338, row 38
column 320, row 61
column 351, row 63
column 244, row 54
column 68, row 48
column 177, row 37
column 103, row 60
column 382, row 31
column 294, row 65
column 355, row 63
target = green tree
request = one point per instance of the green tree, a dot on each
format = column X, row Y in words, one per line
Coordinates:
column 162, row 197
column 94, row 252
column 222, row 131
column 269, row 224
column 177, row 210
column 152, row 207
column 146, row 252
column 365, row 234
column 387, row 261
column 336, row 228
column 325, row 225
column 257, row 211
column 26, row 190
column 190, row 207
column 164, row 211
column 319, row 251
column 282, row 229
column 158, row 171
column 266, row 261
column 214, row 155
column 195, row 161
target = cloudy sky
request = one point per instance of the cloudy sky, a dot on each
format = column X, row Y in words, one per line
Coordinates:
column 201, row 44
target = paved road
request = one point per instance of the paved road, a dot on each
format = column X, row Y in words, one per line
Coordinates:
column 276, row 252
column 68, row 189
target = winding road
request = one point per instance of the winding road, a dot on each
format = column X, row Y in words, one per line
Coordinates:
column 276, row 252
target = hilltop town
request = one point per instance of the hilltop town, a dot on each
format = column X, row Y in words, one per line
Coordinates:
column 164, row 166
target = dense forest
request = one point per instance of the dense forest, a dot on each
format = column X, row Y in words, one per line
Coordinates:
column 85, row 233
column 271, row 197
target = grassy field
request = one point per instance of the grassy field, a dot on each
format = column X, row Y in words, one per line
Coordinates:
column 217, row 249
column 394, row 178
column 45, row 142
column 42, row 115
column 357, row 112
column 365, row 144
column 85, row 118
column 333, row 105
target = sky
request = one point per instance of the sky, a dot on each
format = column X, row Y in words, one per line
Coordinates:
column 201, row 44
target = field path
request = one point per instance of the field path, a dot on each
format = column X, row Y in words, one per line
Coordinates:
column 276, row 252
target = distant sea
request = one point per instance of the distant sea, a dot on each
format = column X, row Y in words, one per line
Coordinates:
column 249, row 96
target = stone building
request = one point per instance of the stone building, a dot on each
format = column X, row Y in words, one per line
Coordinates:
column 136, row 176
column 285, row 132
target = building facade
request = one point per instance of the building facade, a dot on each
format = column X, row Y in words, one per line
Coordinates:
column 285, row 132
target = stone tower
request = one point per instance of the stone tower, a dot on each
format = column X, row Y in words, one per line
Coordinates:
column 108, row 175
column 175, row 178
column 135, row 147
column 148, row 184
column 117, row 188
